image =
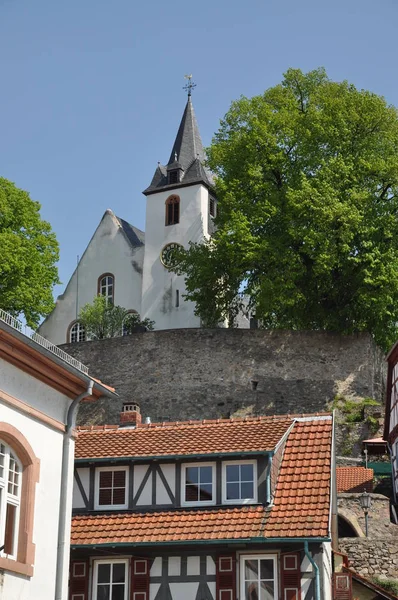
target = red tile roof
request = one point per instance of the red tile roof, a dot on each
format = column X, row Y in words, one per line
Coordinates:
column 302, row 497
column 170, row 526
column 300, row 509
column 354, row 479
column 256, row 434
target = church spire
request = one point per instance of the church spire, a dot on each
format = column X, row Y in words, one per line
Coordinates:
column 186, row 162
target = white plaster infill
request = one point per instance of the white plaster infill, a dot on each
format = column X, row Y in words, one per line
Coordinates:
column 41, row 341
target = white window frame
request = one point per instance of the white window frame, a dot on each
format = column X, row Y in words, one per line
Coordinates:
column 97, row 505
column 7, row 498
column 80, row 332
column 253, row 500
column 243, row 557
column 108, row 561
column 212, row 502
column 108, row 285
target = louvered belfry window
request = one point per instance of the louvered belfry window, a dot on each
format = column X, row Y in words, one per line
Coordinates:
column 172, row 210
column 112, row 487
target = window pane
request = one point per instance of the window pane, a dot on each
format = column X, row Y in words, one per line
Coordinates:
column 118, row 592
column 266, row 568
column 106, row 479
column 206, row 474
column 246, row 472
column 192, row 474
column 232, row 473
column 251, row 569
column 247, row 490
column 232, row 491
column 206, row 492
column 105, row 497
column 119, row 478
column 103, row 592
column 104, row 573
column 118, row 574
column 11, row 515
column 191, row 493
column 267, row 590
column 119, row 496
column 251, row 590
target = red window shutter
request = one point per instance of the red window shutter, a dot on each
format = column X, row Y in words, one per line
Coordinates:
column 342, row 586
column 140, row 568
column 226, row 577
column 78, row 580
column 291, row 576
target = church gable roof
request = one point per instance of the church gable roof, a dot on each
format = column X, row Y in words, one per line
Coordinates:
column 135, row 236
column 187, row 154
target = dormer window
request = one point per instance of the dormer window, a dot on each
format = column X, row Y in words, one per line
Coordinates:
column 172, row 210
column 198, row 484
column 174, row 176
column 239, row 482
column 111, row 488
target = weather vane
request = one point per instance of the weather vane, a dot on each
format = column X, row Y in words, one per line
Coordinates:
column 190, row 85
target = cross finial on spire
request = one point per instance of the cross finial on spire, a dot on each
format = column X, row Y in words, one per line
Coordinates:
column 190, row 85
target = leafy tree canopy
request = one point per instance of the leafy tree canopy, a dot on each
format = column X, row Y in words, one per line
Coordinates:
column 28, row 253
column 102, row 319
column 307, row 183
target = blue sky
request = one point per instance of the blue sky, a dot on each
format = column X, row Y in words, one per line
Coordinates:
column 91, row 90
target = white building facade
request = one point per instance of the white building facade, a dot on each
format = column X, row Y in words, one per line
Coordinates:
column 37, row 391
column 133, row 270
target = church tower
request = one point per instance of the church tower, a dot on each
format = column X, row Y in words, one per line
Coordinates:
column 179, row 209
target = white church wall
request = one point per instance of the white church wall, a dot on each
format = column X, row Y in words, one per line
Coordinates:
column 108, row 252
column 160, row 286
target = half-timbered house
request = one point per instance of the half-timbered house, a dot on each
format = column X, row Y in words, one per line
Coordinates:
column 210, row 510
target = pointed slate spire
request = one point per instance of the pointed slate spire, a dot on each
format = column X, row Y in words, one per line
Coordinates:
column 188, row 144
column 187, row 156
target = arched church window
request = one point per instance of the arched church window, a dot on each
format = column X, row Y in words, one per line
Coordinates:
column 172, row 210
column 106, row 287
column 77, row 332
column 10, row 499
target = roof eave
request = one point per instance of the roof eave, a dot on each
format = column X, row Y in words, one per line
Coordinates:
column 164, row 188
column 146, row 458
column 254, row 540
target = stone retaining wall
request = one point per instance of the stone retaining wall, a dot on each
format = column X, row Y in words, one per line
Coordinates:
column 200, row 373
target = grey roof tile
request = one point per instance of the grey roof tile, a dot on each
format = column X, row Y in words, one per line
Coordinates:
column 187, row 153
column 135, row 236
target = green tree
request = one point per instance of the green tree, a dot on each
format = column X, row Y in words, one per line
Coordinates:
column 307, row 183
column 102, row 319
column 28, row 253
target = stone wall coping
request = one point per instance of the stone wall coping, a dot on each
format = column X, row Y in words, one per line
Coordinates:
column 356, row 496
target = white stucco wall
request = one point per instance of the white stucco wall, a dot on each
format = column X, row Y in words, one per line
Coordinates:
column 107, row 252
column 77, row 499
column 46, row 442
column 327, row 570
column 159, row 284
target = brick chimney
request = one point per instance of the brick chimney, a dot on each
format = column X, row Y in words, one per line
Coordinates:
column 130, row 415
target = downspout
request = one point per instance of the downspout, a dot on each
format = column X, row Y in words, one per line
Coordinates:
column 268, row 483
column 62, row 541
column 316, row 569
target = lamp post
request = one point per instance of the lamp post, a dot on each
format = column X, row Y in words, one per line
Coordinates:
column 365, row 501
